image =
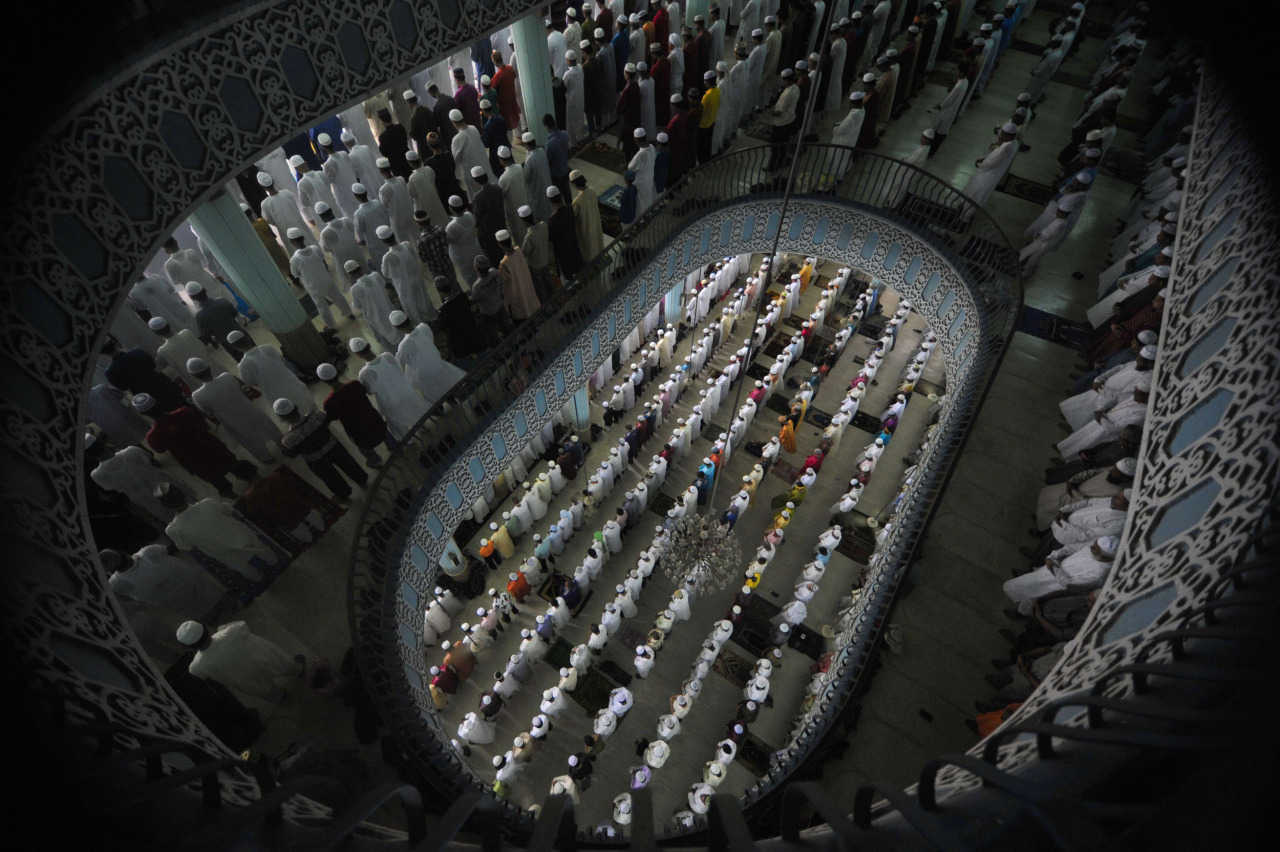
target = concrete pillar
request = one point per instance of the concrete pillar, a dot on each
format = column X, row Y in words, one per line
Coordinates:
column 696, row 8
column 580, row 409
column 534, row 66
column 222, row 226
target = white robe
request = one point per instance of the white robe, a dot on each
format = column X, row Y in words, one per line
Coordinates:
column 160, row 299
column 835, row 92
column 312, row 189
column 469, row 152
column 173, row 582
column 339, row 239
column 990, row 172
column 248, row 663
column 430, row 374
column 575, row 104
column 400, row 402
column 211, row 527
column 1048, row 241
column 642, row 165
column 281, row 212
column 369, row 294
column 897, row 189
column 246, row 424
column 514, row 196
column 181, row 347
column 396, row 200
column 132, row 473
column 1126, row 413
column 264, row 367
column 340, row 171
column 425, row 196
column 949, row 108
column 402, row 267
column 845, row 133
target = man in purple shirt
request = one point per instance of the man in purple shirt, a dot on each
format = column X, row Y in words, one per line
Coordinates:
column 466, row 98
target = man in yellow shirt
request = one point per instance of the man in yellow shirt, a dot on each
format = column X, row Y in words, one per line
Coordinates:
column 710, row 107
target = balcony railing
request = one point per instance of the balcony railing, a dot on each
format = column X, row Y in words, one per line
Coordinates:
column 859, row 181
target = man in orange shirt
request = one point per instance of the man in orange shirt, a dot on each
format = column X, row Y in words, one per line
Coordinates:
column 519, row 587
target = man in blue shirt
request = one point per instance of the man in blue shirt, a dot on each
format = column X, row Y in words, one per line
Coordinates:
column 621, row 52
column 630, row 199
column 557, row 148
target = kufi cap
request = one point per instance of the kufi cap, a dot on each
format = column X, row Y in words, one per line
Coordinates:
column 1093, row 136
column 194, row 288
column 1066, row 206
column 157, row 323
column 1093, row 152
column 978, row 41
column 384, row 232
column 868, row 77
column 235, row 336
column 757, row 32
column 90, row 439
column 1178, row 163
column 294, row 233
column 857, row 96
column 787, row 73
column 477, row 171
column 770, row 19
column 326, row 372
column 1148, row 352
column 347, row 135
column 525, row 211
column 325, row 139
column 1128, row 494
column 698, row 19
column 584, row 44
column 382, row 163
column 629, row 68
column 1109, row 544
column 997, row 18
column 455, row 115
column 722, row 66
column 663, row 138
column 296, row 161
column 190, row 633
column 198, row 365
column 675, row 99
column 929, row 134
column 1161, row 272
column 835, row 28
column 398, row 317
column 359, row 189
column 322, row 208
column 1084, row 178
column 599, row 33
column 456, row 202
column 351, row 265
column 913, row 29
column 1022, row 112
column 264, row 179
column 986, row 28
column 891, row 52
column 497, row 761
column 1168, row 228
column 1147, row 336
column 801, row 65
column 571, row 55
column 1127, row 466
column 283, row 406
column 1010, row 128
column 357, row 344
column 642, row 66
column 503, row 152
column 553, row 192
column 143, row 402
column 571, row 12
column 710, row 75
column 1143, row 384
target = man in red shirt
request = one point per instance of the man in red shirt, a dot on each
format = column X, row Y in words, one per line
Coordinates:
column 349, row 405
column 182, row 433
column 504, row 83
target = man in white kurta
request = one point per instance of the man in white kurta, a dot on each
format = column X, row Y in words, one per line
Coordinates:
column 1075, row 566
column 369, row 294
column 1091, row 518
column 245, row 423
column 468, row 153
column 309, row 266
column 370, row 215
column 280, row 211
column 422, row 189
column 1107, row 425
column 264, row 367
column 134, row 473
column 514, row 192
column 340, row 172
column 160, row 299
column 396, row 200
column 949, row 109
column 384, row 379
column 233, row 656
column 212, row 527
column 430, row 374
column 156, row 577
column 402, row 268
column 642, row 165
column 992, row 168
column 180, row 348
column 902, row 179
column 574, row 99
column 338, row 238
column 312, row 189
column 1108, row 389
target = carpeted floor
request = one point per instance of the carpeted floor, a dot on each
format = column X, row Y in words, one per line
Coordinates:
column 604, row 156
column 753, row 754
column 1053, row 328
column 733, row 668
column 1026, row 189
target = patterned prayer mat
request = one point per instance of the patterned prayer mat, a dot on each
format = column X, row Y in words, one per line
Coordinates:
column 611, row 198
column 866, row 422
column 558, row 655
column 630, row 638
column 1028, row 190
column 733, row 668
column 615, row 673
column 757, row 372
column 785, row 471
column 857, row 542
column 603, row 155
column 592, row 692
column 779, row 403
column 760, row 130
column 1053, row 328
column 753, row 634
column 818, row 417
column 549, row 592
column 660, row 503
column 753, row 754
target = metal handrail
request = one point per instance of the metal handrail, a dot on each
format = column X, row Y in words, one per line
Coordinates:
column 862, row 181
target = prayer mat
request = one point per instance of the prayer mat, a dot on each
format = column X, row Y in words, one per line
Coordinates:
column 778, row 402
column 757, row 372
column 549, row 592
column 660, row 503
column 795, row 321
column 924, row 388
column 615, row 673
column 611, row 198
column 241, row 587
column 806, row 641
column 1053, row 328
column 753, row 754
column 785, row 471
column 558, row 655
column 1026, row 47
column 872, row 328
column 603, row 155
column 304, row 493
column 866, row 422
column 923, row 212
column 858, row 541
column 737, row 670
column 630, row 638
column 945, row 79
column 818, row 417
column 592, row 692
column 774, row 346
column 760, row 130
column 1028, row 190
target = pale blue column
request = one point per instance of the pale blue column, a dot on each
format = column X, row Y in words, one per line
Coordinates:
column 696, row 8
column 675, row 302
column 580, row 407
column 534, row 66
column 222, row 225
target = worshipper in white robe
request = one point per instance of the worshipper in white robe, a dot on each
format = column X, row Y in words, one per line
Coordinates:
column 1049, row 239
column 574, row 99
column 369, row 295
column 1095, row 482
column 557, row 46
column 159, row 298
column 384, row 379
column 846, row 133
column 133, row 472
column 657, row 753
column 1048, row 65
column 992, row 168
column 1108, row 389
column 642, row 165
column 212, row 527
column 949, row 109
column 903, row 177
column 422, row 190
column 309, row 266
column 1074, row 567
column 476, row 730
column 740, row 94
column 648, row 115
column 1108, row 424
column 222, row 398
column 1091, row 518
column 425, row 368
column 468, row 153
column 264, row 367
column 620, row 701
column 233, row 656
column 156, row 577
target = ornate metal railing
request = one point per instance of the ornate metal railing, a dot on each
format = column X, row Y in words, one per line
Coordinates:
column 394, row 562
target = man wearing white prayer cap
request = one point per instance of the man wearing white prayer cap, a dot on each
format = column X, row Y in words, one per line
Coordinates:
column 469, row 151
column 992, row 168
column 1075, row 567
column 233, row 656
column 221, row 397
column 369, row 216
column 280, row 210
column 309, row 265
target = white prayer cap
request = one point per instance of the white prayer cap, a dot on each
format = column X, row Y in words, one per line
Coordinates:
column 477, row 171
column 710, row 75
column 553, row 192
column 913, row 29
column 525, row 211
column 157, row 323
column 1147, row 337
column 1128, row 494
column 698, row 19
column 1143, row 384
column 357, row 344
column 571, row 12
column 283, row 406
column 1084, row 178
column 359, row 189
column 868, row 77
column 584, row 44
column 1178, row 163
column 294, row 233
column 246, row 208
column 929, row 134
column 1010, row 128
column 1022, row 112
column 757, row 32
column 455, row 115
column 264, row 179
column 1127, row 466
column 1161, row 272
column 638, row 133
column 1093, row 152
column 503, row 152
column 1168, row 228
column 1109, row 544
column 857, row 96
column 190, row 633
column 801, row 65
column 629, row 68
column 675, row 98
column 986, row 28
column 384, row 232
column 326, row 372
column 835, row 27
column 890, row 53
column 382, row 163
column 296, row 161
column 235, row 336
column 455, row 201
column 198, row 365
column 1093, row 136
column 486, row 103
column 497, row 761
column 599, row 33
column 571, row 55
column 1066, row 206
column 322, row 208
column 143, row 402
column 325, row 140
column 502, row 236
column 722, row 66
column 347, row 135
column 351, row 265
column 398, row 317
column 1148, row 352
column 194, row 288
column 770, row 19
column 977, row 42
